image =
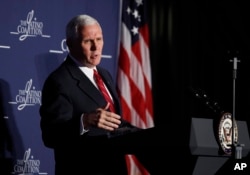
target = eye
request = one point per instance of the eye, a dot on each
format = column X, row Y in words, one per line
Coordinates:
column 86, row 41
column 99, row 39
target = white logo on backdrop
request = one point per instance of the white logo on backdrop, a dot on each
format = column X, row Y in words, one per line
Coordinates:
column 64, row 48
column 30, row 27
column 28, row 96
column 28, row 165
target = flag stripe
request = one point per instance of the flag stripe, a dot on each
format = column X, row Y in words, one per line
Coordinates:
column 134, row 73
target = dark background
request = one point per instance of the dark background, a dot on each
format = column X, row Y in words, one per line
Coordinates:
column 191, row 45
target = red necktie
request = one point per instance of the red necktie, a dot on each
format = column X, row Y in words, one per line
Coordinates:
column 100, row 84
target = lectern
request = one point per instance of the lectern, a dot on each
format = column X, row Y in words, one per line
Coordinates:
column 204, row 145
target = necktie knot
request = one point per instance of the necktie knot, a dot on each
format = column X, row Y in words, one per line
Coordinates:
column 97, row 77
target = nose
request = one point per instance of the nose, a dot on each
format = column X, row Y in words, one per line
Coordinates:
column 93, row 45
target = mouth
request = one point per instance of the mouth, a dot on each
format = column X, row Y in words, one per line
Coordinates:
column 94, row 56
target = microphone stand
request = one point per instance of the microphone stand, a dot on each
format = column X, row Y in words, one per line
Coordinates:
column 236, row 147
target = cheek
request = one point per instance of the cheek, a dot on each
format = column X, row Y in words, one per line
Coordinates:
column 101, row 45
column 85, row 48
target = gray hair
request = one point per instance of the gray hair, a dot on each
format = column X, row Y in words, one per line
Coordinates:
column 72, row 27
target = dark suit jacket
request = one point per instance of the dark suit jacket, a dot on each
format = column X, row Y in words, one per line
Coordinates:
column 67, row 94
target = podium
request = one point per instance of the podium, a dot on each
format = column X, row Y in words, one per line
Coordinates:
column 204, row 145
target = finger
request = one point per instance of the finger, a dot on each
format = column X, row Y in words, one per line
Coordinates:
column 107, row 125
column 113, row 115
column 106, row 107
column 113, row 119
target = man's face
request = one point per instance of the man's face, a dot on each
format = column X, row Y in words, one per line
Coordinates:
column 88, row 48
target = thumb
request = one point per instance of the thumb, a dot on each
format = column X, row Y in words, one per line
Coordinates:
column 107, row 106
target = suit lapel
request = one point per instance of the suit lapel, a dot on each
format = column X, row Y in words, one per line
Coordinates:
column 107, row 81
column 83, row 83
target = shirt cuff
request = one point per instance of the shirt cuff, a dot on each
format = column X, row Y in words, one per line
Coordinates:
column 82, row 129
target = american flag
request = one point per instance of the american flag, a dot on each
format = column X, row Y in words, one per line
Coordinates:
column 134, row 72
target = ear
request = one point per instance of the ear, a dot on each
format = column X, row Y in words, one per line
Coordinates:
column 69, row 43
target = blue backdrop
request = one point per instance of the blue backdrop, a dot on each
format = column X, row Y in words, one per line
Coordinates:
column 32, row 44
